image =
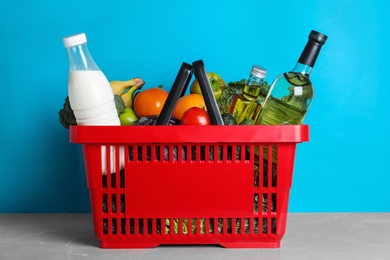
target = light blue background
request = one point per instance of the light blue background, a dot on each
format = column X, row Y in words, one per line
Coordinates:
column 345, row 167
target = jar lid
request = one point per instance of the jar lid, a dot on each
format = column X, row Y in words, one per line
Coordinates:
column 259, row 71
column 74, row 40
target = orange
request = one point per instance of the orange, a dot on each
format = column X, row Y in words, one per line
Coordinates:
column 150, row 102
column 186, row 102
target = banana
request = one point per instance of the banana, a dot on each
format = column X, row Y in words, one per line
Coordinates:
column 119, row 87
column 128, row 97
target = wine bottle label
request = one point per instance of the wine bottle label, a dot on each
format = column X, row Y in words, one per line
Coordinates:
column 298, row 90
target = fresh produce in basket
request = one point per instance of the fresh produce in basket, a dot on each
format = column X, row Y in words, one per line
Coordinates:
column 151, row 120
column 247, row 121
column 216, row 82
column 128, row 116
column 122, row 87
column 227, row 94
column 150, row 102
column 131, row 86
column 228, row 119
column 66, row 115
column 186, row 102
column 119, row 104
column 195, row 116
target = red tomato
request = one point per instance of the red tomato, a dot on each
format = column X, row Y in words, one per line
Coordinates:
column 195, row 116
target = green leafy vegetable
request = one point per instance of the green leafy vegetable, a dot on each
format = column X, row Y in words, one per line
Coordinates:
column 227, row 94
column 119, row 104
column 228, row 119
column 152, row 120
column 66, row 115
column 247, row 121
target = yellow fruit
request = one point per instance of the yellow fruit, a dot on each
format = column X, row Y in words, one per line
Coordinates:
column 119, row 87
column 128, row 96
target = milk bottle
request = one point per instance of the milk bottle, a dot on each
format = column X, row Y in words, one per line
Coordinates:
column 90, row 95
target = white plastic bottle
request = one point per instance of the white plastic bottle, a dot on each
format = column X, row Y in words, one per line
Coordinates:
column 90, row 95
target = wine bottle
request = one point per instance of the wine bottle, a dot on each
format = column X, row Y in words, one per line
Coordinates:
column 291, row 94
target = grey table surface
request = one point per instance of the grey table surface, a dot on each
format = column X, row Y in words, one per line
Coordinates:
column 308, row 236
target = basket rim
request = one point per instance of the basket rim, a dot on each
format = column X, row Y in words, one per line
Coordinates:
column 248, row 134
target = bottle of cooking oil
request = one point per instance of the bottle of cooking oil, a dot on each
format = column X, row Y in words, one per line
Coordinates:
column 247, row 103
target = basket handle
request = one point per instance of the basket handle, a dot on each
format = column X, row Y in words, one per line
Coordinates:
column 179, row 88
column 205, row 87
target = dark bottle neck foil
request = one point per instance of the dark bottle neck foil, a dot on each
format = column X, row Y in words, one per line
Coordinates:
column 312, row 49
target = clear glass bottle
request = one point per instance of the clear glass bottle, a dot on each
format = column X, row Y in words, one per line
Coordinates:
column 291, row 93
column 246, row 104
column 90, row 95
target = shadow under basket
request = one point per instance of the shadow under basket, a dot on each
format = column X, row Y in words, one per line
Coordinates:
column 225, row 185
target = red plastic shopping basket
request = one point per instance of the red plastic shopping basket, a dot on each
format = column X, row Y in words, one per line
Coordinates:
column 226, row 185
